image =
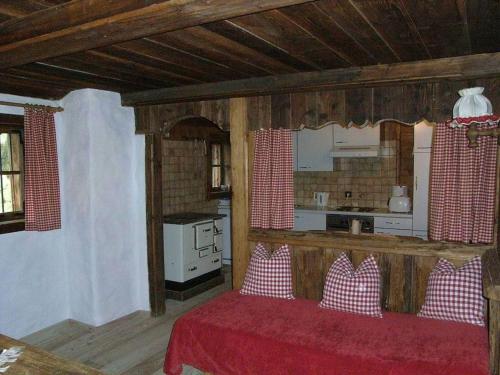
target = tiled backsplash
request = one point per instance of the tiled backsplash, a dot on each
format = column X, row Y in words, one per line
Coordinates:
column 369, row 179
column 185, row 178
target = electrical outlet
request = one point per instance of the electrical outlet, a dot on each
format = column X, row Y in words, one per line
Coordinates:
column 348, row 194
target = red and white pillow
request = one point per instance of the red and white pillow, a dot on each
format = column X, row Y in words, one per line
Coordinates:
column 455, row 294
column 350, row 290
column 269, row 275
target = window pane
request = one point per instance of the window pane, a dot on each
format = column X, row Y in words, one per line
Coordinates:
column 5, row 152
column 216, row 177
column 12, row 193
column 16, row 149
column 216, row 154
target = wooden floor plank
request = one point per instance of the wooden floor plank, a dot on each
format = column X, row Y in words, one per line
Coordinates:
column 132, row 345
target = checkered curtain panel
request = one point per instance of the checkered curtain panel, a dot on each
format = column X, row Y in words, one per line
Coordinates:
column 462, row 186
column 42, row 202
column 272, row 184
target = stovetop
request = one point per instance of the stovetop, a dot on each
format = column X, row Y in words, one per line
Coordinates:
column 354, row 209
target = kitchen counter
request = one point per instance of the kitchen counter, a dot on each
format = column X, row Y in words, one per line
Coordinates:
column 190, row 217
column 376, row 212
column 379, row 243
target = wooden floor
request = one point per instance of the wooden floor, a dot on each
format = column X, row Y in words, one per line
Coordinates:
column 133, row 344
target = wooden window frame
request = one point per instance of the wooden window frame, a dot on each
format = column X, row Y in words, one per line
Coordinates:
column 211, row 192
column 12, row 222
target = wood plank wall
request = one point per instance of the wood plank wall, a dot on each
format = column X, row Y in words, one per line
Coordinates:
column 408, row 103
column 403, row 276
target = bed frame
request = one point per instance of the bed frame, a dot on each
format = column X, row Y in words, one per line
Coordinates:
column 404, row 270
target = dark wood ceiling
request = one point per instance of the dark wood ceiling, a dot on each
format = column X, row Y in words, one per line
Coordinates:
column 313, row 36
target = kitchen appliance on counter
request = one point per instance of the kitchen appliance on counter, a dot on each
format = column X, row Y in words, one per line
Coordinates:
column 399, row 202
column 341, row 222
column 193, row 244
column 321, row 198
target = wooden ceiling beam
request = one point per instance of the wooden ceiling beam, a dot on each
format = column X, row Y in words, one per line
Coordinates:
column 463, row 67
column 65, row 36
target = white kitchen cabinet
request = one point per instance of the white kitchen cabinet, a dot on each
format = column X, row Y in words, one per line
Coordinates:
column 422, row 137
column 422, row 148
column 312, row 150
column 309, row 220
column 421, row 172
column 398, row 226
column 356, row 137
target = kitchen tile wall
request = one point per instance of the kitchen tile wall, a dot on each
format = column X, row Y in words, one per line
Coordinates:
column 369, row 179
column 185, row 178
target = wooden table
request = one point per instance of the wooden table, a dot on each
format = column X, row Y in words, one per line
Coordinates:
column 35, row 361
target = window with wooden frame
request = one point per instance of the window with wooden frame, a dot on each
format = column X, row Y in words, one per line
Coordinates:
column 219, row 170
column 11, row 173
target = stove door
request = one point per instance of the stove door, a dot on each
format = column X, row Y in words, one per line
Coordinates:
column 203, row 234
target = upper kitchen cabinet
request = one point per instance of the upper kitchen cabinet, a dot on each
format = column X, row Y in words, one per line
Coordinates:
column 312, row 150
column 422, row 140
column 356, row 142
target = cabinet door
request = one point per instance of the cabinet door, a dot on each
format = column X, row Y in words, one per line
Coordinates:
column 422, row 137
column 313, row 149
column 421, row 166
column 355, row 137
column 309, row 221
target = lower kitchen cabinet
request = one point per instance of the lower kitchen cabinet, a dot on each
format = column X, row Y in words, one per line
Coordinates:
column 398, row 226
column 309, row 220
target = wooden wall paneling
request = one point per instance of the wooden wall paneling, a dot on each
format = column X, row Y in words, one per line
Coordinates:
column 445, row 97
column 418, row 99
column 398, row 282
column 388, row 102
column 154, row 224
column 309, row 272
column 239, row 176
column 359, row 105
column 494, row 335
column 259, row 112
column 216, row 111
column 281, row 111
column 423, row 268
column 331, row 106
column 304, row 110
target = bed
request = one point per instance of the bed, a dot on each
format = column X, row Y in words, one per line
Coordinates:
column 238, row 334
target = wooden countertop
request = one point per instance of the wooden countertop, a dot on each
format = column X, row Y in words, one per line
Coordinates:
column 35, row 361
column 370, row 242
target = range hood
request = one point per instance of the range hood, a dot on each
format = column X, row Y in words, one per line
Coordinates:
column 355, row 152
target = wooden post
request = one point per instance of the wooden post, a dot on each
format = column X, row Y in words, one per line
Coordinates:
column 154, row 224
column 239, row 176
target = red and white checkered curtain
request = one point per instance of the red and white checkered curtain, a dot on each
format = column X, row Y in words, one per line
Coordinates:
column 272, row 186
column 42, row 201
column 462, row 186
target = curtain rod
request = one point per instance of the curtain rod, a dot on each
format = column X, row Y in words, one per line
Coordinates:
column 24, row 105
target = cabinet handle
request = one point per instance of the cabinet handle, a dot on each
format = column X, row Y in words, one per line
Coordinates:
column 304, row 167
column 339, row 141
column 215, row 260
column 416, row 182
column 207, row 230
column 194, row 268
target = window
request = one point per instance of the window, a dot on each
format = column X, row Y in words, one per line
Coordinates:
column 219, row 172
column 11, row 173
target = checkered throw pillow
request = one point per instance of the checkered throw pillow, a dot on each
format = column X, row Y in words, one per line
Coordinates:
column 455, row 294
column 356, row 291
column 269, row 275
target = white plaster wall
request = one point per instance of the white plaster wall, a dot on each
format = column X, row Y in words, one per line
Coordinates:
column 33, row 292
column 95, row 269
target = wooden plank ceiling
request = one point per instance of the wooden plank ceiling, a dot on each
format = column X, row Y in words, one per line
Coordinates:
column 310, row 36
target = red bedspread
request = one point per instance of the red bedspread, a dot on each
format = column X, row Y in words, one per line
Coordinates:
column 236, row 334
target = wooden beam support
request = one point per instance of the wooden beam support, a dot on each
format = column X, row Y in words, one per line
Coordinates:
column 238, row 121
column 154, row 224
column 464, row 67
column 112, row 22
